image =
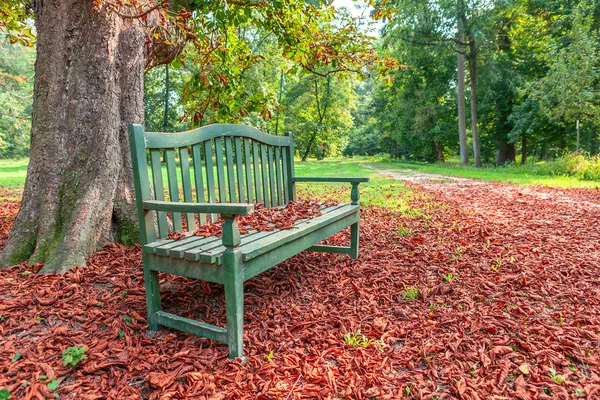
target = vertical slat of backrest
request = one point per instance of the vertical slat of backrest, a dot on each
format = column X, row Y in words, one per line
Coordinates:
column 159, row 191
column 210, row 176
column 230, row 172
column 197, row 160
column 186, row 182
column 220, row 169
column 278, row 175
column 239, row 155
column 290, row 167
column 271, row 161
column 265, row 177
column 255, row 164
column 173, row 187
column 248, row 171
column 141, row 181
column 286, row 189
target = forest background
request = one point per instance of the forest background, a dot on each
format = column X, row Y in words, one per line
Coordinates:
column 526, row 73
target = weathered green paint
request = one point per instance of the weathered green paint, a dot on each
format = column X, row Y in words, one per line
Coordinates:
column 181, row 139
column 239, row 169
column 230, row 170
column 210, row 176
column 247, row 156
column 173, row 187
column 197, row 160
column 325, row 179
column 159, row 191
column 190, row 326
column 290, row 167
column 230, row 208
column 232, row 258
column 186, row 182
column 271, row 162
column 330, row 249
column 265, row 175
column 278, row 182
column 220, row 170
column 255, row 163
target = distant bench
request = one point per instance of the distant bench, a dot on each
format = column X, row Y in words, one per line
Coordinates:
column 251, row 167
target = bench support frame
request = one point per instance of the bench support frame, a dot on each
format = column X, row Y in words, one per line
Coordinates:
column 237, row 266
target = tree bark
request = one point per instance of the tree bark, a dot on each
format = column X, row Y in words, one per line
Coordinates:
column 524, row 149
column 462, row 120
column 88, row 87
column 439, row 149
column 473, row 99
column 505, row 152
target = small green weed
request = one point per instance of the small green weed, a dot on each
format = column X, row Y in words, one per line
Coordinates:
column 127, row 319
column 448, row 277
column 557, row 378
column 269, row 356
column 52, row 385
column 497, row 265
column 410, row 292
column 72, row 356
column 356, row 339
column 39, row 319
column 16, row 357
column 4, row 394
column 404, row 231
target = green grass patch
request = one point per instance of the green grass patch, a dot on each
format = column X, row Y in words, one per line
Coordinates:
column 13, row 173
column 380, row 191
column 567, row 172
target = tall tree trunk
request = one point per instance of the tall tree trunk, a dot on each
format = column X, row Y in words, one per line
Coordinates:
column 439, row 149
column 473, row 98
column 462, row 120
column 524, row 149
column 88, row 87
column 505, row 152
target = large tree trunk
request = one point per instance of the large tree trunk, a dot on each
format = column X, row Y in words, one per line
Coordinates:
column 88, row 87
column 505, row 152
column 462, row 120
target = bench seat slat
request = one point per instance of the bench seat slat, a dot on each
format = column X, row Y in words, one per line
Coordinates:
column 210, row 250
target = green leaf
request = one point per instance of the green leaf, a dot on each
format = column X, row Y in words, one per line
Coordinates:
column 53, row 385
column 4, row 394
column 16, row 357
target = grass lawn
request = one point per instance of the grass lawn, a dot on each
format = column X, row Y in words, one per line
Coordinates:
column 516, row 174
column 13, row 173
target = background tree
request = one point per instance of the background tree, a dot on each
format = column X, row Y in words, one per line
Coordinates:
column 16, row 87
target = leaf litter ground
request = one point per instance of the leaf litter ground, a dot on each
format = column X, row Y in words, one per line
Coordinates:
column 507, row 306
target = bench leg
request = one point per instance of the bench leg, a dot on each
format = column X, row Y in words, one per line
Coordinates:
column 234, row 302
column 152, row 294
column 354, row 234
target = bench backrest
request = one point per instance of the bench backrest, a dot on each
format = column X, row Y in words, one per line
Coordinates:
column 214, row 164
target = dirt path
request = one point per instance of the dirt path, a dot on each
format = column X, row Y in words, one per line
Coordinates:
column 458, row 186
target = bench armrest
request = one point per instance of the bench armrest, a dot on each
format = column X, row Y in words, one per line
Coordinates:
column 328, row 179
column 198, row 208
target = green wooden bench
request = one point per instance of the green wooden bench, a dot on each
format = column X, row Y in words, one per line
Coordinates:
column 251, row 167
